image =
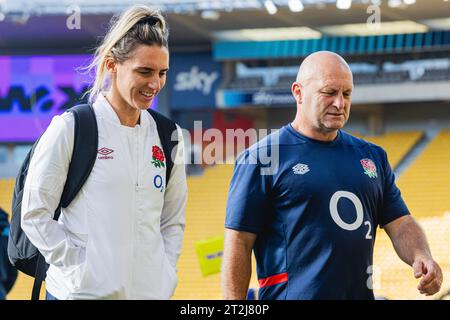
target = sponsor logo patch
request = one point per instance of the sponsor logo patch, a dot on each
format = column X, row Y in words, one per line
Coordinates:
column 158, row 183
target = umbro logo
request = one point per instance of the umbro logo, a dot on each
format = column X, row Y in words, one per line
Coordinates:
column 105, row 153
column 300, row 168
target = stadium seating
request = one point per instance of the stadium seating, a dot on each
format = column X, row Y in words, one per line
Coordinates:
column 425, row 188
column 424, row 185
column 205, row 216
column 396, row 144
column 394, row 279
column 6, row 187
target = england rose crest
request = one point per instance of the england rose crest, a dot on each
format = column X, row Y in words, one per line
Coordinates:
column 158, row 157
column 369, row 168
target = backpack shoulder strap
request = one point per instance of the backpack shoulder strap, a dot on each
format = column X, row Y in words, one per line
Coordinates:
column 165, row 128
column 84, row 151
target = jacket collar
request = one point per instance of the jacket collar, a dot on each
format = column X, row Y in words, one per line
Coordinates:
column 103, row 108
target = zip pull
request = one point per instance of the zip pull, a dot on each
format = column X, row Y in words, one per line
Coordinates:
column 136, row 187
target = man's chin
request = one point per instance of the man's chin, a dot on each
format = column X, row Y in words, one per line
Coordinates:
column 335, row 125
column 332, row 128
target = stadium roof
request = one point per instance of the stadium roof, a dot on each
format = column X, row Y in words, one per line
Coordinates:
column 40, row 25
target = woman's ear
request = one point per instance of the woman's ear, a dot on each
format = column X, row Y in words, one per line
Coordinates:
column 297, row 92
column 111, row 65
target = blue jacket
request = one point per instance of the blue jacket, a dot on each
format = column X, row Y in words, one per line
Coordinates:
column 8, row 274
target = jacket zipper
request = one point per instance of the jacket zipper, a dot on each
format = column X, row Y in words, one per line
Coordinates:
column 135, row 209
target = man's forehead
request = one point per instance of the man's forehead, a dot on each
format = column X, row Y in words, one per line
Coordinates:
column 325, row 70
column 336, row 82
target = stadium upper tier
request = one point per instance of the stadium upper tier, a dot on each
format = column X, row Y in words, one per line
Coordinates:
column 382, row 70
column 344, row 45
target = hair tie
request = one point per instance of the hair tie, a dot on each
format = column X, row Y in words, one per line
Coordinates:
column 149, row 20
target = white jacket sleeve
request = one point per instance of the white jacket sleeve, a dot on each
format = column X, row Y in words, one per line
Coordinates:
column 43, row 188
column 173, row 213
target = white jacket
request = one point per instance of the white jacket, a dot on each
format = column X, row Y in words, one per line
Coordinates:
column 121, row 236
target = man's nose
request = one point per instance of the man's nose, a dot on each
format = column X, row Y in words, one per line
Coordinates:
column 339, row 101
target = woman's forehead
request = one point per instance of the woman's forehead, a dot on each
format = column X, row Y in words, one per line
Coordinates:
column 148, row 56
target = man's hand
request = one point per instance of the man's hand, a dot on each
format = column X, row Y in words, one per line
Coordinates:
column 412, row 247
column 431, row 275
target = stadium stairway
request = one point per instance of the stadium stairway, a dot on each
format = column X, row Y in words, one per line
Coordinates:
column 396, row 144
column 426, row 183
column 415, row 151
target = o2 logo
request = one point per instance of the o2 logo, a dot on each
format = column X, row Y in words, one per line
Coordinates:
column 374, row 280
column 374, row 273
column 158, row 183
column 359, row 212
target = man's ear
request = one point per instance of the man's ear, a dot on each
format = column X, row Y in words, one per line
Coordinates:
column 297, row 92
column 111, row 65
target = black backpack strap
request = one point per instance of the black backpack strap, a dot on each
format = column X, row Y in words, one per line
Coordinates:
column 165, row 128
column 39, row 277
column 84, row 154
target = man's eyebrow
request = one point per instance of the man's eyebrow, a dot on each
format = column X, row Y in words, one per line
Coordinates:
column 328, row 87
